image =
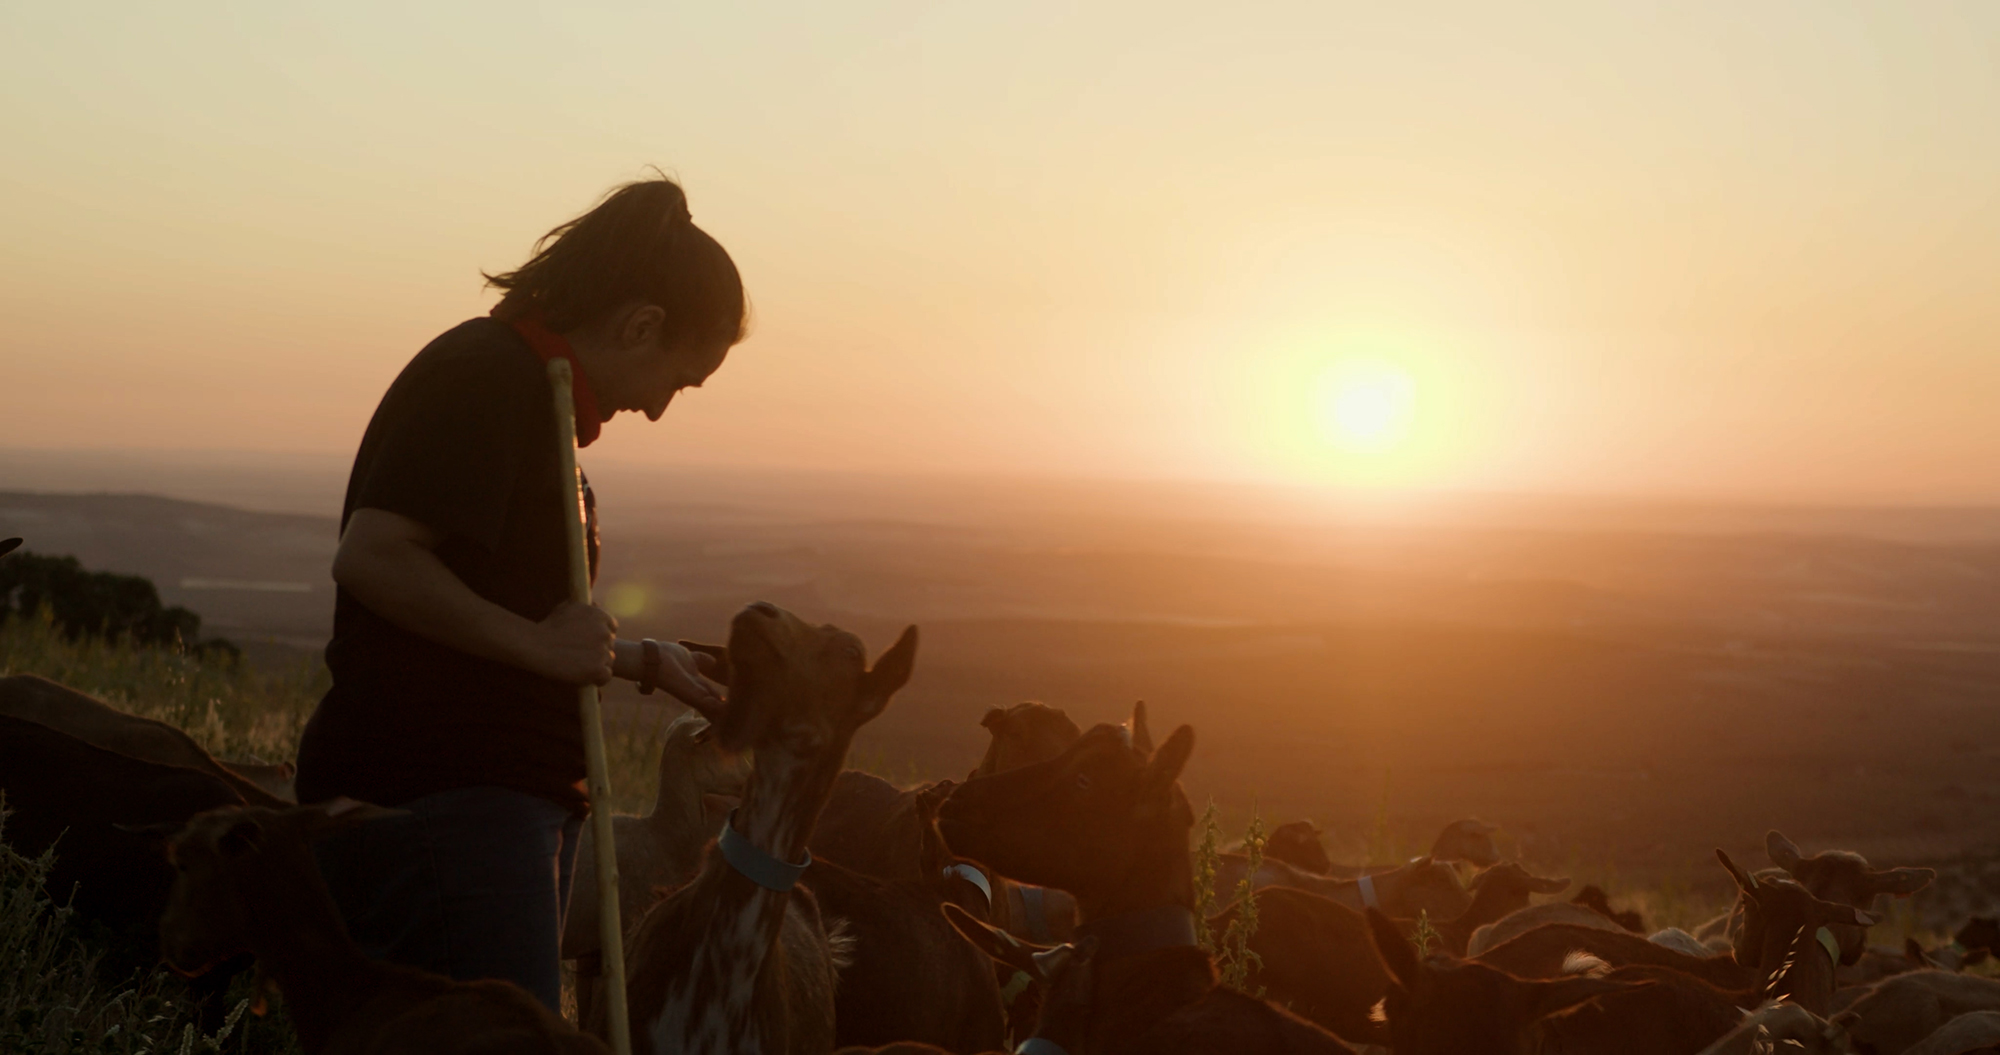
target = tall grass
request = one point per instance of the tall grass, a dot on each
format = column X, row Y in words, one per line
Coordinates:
column 230, row 707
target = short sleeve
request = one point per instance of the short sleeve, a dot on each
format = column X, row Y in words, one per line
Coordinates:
column 448, row 444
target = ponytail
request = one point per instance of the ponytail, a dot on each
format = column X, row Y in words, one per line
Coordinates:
column 639, row 244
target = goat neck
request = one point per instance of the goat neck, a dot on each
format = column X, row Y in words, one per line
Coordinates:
column 797, row 695
column 301, row 944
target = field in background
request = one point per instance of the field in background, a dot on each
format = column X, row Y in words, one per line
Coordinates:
column 1622, row 686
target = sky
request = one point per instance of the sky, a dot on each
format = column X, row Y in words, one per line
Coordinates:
column 1744, row 249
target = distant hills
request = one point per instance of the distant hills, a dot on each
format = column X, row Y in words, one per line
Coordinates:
column 1612, row 681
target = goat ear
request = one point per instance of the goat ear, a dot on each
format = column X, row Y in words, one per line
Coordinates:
column 994, row 718
column 996, row 943
column 9, row 545
column 1166, row 763
column 1395, row 952
column 1546, row 998
column 890, row 673
column 1744, row 882
column 1901, row 882
column 716, row 666
column 1142, row 737
column 1784, row 853
column 1553, row 885
column 1913, row 954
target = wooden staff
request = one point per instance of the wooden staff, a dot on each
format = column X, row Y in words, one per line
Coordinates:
column 611, row 933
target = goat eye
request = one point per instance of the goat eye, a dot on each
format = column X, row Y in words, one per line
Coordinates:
column 701, row 737
column 1083, row 782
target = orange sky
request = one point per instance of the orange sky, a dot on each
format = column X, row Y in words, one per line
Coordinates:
column 1724, row 248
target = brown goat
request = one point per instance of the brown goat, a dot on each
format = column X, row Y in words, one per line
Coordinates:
column 1150, row 1013
column 1545, row 953
column 1901, row 1011
column 1832, row 875
column 95, row 722
column 1500, row 890
column 1797, row 950
column 1108, row 823
column 1024, row 734
column 246, row 882
column 699, row 784
column 1448, row 1006
column 1316, row 959
column 1594, row 898
column 1296, row 843
column 734, row 963
column 913, row 978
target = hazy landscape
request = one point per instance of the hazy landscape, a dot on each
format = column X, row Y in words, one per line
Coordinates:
column 1620, row 685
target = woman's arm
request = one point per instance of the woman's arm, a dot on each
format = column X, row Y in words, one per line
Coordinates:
column 386, row 561
column 681, row 674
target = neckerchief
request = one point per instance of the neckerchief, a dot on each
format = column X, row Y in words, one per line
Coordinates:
column 550, row 345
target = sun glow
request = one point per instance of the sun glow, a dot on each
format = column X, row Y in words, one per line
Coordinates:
column 1366, row 406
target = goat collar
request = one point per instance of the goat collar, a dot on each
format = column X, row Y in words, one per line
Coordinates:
column 975, row 877
column 1039, row 1046
column 1827, row 942
column 1147, row 930
column 1368, row 895
column 759, row 867
column 1034, row 911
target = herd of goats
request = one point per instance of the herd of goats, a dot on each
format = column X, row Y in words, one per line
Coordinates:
column 1046, row 905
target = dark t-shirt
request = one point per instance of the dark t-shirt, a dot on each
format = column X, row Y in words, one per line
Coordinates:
column 464, row 443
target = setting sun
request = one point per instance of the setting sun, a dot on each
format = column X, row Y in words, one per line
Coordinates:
column 1366, row 406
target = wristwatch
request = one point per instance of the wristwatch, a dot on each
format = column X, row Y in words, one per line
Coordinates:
column 649, row 666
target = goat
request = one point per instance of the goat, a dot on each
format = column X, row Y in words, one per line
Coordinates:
column 1296, row 843
column 699, row 782
column 1781, row 1027
column 96, row 722
column 1528, row 919
column 738, row 960
column 1079, row 1017
column 1833, row 875
column 911, row 977
column 245, row 882
column 1788, row 914
column 1448, row 1005
column 1497, row 893
column 1314, row 959
column 1468, row 841
column 59, row 787
column 1593, row 898
column 1545, row 951
column 1024, row 734
column 1974, row 943
column 1976, row 1031
column 1422, row 885
column 1107, row 821
column 1901, row 1011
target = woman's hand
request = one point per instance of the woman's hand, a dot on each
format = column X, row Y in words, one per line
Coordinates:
column 575, row 644
column 681, row 675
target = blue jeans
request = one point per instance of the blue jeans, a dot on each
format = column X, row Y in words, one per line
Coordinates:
column 471, row 884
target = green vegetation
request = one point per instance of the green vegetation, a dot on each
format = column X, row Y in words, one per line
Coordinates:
column 1235, row 961
column 56, row 997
